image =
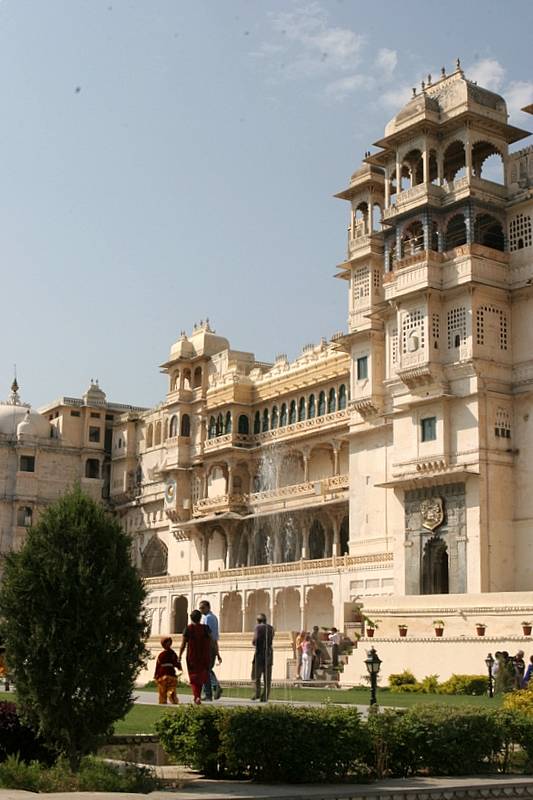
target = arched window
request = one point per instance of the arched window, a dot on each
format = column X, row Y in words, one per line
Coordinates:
column 197, row 378
column 321, row 404
column 220, row 425
column 157, row 432
column 301, row 409
column 456, row 232
column 185, row 425
column 173, row 426
column 257, row 422
column 186, row 379
column 415, row 168
column 274, row 418
column 454, row 161
column 487, row 162
column 243, row 424
column 24, row 516
column 342, row 397
column 175, row 381
column 283, row 415
column 489, row 232
column 228, row 424
column 311, row 410
column 264, row 426
column 150, row 435
column 292, row 412
column 212, row 430
column 332, row 401
column 92, row 468
column 413, row 239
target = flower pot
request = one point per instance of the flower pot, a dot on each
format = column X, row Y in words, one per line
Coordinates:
column 402, row 632
column 370, row 632
column 439, row 632
column 480, row 631
column 527, row 630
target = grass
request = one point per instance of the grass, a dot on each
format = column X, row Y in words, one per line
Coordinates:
column 142, row 718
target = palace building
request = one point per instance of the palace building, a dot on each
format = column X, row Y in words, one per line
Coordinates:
column 384, row 473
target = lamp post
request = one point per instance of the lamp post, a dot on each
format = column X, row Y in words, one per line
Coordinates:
column 373, row 663
column 489, row 661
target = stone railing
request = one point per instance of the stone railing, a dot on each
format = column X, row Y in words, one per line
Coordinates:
column 374, row 561
column 228, row 440
column 214, row 505
column 303, row 426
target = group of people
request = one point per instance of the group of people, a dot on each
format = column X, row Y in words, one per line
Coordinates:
column 510, row 672
column 200, row 642
column 311, row 652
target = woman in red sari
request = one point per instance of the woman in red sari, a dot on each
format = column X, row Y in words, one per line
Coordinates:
column 197, row 641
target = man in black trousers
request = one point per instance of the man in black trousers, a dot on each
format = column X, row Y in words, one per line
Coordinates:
column 262, row 664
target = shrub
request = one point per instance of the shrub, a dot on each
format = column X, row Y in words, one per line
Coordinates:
column 94, row 776
column 434, row 737
column 465, row 684
column 16, row 737
column 304, row 744
column 430, row 684
column 191, row 735
column 521, row 700
column 405, row 678
column 387, row 746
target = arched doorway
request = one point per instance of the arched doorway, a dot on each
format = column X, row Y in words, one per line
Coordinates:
column 179, row 613
column 287, row 610
column 435, row 578
column 258, row 603
column 154, row 558
column 231, row 613
column 319, row 607
column 344, row 545
column 317, row 540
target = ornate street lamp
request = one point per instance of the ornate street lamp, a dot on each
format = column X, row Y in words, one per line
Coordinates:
column 489, row 661
column 373, row 663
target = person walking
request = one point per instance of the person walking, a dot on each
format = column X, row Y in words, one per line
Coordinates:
column 520, row 668
column 165, row 672
column 335, row 638
column 308, row 654
column 262, row 664
column 197, row 641
column 527, row 676
column 298, row 647
column 212, row 687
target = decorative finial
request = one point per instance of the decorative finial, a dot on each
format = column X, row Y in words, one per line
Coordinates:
column 458, row 64
column 414, row 91
column 443, row 72
column 422, row 86
column 429, row 80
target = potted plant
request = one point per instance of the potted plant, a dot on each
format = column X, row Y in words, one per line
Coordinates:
column 480, row 628
column 526, row 627
column 439, row 627
column 402, row 630
column 370, row 626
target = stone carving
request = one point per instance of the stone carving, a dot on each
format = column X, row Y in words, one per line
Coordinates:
column 432, row 513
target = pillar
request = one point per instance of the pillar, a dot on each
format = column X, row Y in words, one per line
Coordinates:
column 369, row 214
column 440, row 168
column 398, row 176
column 398, row 243
column 468, row 158
column 306, row 466
column 305, row 543
column 302, row 608
column 336, row 546
column 205, row 552
column 426, row 225
column 229, row 550
column 276, row 553
column 336, row 448
column 387, row 187
column 469, row 223
column 425, row 164
column 229, row 482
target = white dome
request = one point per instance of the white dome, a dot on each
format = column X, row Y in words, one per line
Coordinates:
column 10, row 416
column 33, row 424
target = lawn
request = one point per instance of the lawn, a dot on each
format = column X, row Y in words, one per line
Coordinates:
column 142, row 718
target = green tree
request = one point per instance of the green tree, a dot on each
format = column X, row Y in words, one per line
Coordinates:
column 73, row 621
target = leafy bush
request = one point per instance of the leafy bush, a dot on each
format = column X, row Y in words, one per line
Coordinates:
column 304, row 744
column 16, row 737
column 465, row 684
column 405, row 678
column 433, row 739
column 430, row 684
column 521, row 700
column 191, row 735
column 93, row 776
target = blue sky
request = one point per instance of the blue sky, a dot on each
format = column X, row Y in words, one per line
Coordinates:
column 165, row 161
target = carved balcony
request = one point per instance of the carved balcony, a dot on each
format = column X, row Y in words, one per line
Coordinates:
column 228, row 440
column 220, row 505
column 314, row 425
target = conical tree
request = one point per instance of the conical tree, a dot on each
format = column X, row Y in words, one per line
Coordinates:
column 72, row 619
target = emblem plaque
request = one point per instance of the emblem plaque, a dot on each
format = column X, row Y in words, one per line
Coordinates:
column 432, row 512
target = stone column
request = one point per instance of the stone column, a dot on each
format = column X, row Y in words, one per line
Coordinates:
column 276, row 552
column 302, row 608
column 398, row 176
column 205, row 551
column 469, row 223
column 305, row 543
column 336, row 449
column 440, row 168
column 398, row 243
column 369, row 215
column 336, row 546
column 305, row 455
column 468, row 157
column 426, row 227
column 387, row 187
column 229, row 549
column 425, row 164
column 229, row 481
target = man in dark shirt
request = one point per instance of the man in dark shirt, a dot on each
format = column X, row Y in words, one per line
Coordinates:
column 262, row 664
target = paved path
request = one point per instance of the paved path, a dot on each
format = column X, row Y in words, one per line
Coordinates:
column 476, row 788
column 150, row 699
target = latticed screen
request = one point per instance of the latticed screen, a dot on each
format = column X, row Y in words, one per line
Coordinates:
column 361, row 283
column 483, row 315
column 520, row 232
column 412, row 321
column 456, row 327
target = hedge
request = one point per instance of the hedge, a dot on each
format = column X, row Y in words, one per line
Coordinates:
column 312, row 744
column 16, row 738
